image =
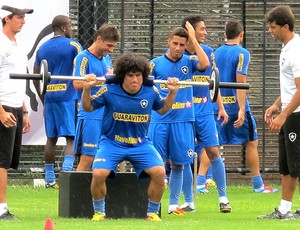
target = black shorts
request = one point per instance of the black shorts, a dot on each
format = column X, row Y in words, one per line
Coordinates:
column 11, row 140
column 289, row 146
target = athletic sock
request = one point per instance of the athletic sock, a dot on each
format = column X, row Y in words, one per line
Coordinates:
column 223, row 199
column 3, row 208
column 99, row 205
column 68, row 163
column 285, row 206
column 257, row 183
column 201, row 179
column 49, row 174
column 153, row 206
column 218, row 172
column 209, row 173
column 187, row 184
column 175, row 185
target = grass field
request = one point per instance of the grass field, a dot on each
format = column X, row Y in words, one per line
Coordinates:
column 34, row 205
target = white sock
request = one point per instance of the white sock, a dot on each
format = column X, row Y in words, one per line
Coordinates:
column 260, row 189
column 285, row 206
column 172, row 207
column 3, row 208
column 223, row 199
column 200, row 186
column 190, row 204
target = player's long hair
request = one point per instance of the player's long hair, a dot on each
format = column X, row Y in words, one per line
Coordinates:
column 130, row 62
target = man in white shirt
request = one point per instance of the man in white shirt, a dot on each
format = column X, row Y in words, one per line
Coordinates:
column 14, row 118
column 281, row 25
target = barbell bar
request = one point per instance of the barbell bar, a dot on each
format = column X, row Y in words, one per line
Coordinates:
column 213, row 83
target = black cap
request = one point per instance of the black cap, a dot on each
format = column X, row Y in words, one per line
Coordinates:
column 7, row 10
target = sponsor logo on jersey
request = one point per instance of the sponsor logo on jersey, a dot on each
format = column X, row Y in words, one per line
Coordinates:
column 131, row 117
column 127, row 140
column 201, row 78
column 56, row 87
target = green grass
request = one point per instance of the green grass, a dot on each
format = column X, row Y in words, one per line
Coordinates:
column 34, row 206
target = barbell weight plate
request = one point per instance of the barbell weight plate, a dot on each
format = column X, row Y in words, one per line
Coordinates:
column 214, row 84
column 45, row 76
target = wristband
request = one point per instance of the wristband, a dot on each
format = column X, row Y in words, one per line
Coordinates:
column 25, row 112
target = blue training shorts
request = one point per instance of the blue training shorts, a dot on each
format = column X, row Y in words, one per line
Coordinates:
column 60, row 118
column 142, row 157
column 88, row 133
column 206, row 131
column 230, row 135
column 174, row 142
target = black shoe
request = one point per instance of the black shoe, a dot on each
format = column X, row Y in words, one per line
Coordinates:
column 225, row 208
column 7, row 216
column 297, row 214
column 278, row 215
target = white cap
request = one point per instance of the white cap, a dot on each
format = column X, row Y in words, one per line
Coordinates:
column 13, row 7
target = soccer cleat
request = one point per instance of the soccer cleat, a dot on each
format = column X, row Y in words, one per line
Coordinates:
column 187, row 208
column 278, row 215
column 52, row 185
column 7, row 216
column 177, row 212
column 98, row 216
column 210, row 183
column 225, row 208
column 267, row 189
column 202, row 190
column 153, row 217
column 297, row 214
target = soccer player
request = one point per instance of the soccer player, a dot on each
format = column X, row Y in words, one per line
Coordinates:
column 127, row 109
column 60, row 98
column 14, row 118
column 94, row 60
column 172, row 133
column 205, row 125
column 233, row 61
column 287, row 107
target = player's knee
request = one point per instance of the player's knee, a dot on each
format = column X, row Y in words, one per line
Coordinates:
column 156, row 172
column 213, row 152
column 176, row 167
column 100, row 174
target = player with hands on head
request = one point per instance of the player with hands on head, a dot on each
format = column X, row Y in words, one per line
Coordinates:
column 166, row 131
column 205, row 125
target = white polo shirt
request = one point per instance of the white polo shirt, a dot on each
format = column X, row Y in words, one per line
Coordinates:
column 13, row 59
column 289, row 70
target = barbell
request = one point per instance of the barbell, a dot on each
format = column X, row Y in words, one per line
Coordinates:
column 213, row 83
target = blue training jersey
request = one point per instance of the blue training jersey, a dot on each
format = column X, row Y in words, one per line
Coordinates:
column 201, row 96
column 162, row 68
column 231, row 60
column 87, row 63
column 126, row 117
column 59, row 53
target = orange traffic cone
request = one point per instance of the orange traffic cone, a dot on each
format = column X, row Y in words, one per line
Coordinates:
column 48, row 224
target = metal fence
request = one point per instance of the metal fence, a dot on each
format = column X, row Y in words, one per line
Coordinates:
column 145, row 26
